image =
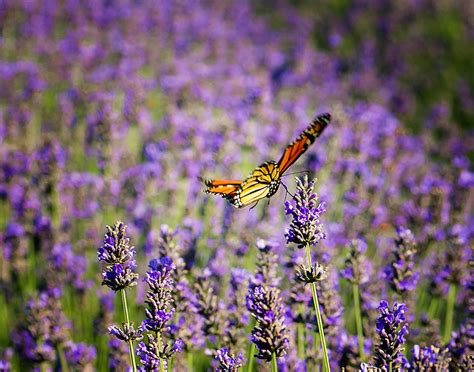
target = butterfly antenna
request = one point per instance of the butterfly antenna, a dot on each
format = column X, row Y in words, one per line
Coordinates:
column 287, row 192
column 291, row 174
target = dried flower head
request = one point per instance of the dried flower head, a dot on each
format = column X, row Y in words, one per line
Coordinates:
column 312, row 274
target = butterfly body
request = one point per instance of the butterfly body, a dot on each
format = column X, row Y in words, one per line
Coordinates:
column 265, row 180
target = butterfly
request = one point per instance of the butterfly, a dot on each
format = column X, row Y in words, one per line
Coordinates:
column 265, row 180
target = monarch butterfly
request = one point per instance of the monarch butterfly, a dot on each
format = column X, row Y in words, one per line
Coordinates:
column 265, row 180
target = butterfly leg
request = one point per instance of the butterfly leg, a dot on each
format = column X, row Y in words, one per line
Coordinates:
column 253, row 206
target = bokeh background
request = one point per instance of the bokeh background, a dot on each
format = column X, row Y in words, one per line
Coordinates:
column 111, row 110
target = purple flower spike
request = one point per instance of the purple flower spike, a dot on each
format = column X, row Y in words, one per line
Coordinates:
column 160, row 311
column 270, row 333
column 392, row 329
column 227, row 361
column 306, row 227
column 400, row 273
column 118, row 255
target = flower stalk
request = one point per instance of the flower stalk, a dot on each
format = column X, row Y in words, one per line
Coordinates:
column 274, row 363
column 450, row 312
column 318, row 315
column 133, row 363
column 358, row 318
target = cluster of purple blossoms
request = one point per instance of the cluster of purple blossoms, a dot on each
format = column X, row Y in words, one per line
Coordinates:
column 306, row 227
column 392, row 329
column 270, row 334
column 118, row 256
column 355, row 265
column 207, row 304
column 45, row 330
column 155, row 353
column 80, row 355
column 400, row 273
column 430, row 358
column 227, row 361
column 263, row 301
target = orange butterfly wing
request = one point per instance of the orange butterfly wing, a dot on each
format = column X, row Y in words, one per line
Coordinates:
column 224, row 188
column 294, row 150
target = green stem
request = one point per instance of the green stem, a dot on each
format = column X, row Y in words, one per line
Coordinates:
column 274, row 363
column 449, row 312
column 316, row 342
column 160, row 348
column 300, row 330
column 318, row 315
column 251, row 357
column 44, row 367
column 433, row 309
column 358, row 318
column 127, row 320
column 190, row 360
column 62, row 359
column 390, row 367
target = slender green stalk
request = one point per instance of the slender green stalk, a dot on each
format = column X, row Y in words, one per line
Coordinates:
column 316, row 342
column 450, row 312
column 170, row 364
column 358, row 318
column 127, row 320
column 44, row 367
column 190, row 360
column 62, row 359
column 318, row 316
column 274, row 363
column 160, row 347
column 300, row 331
column 433, row 309
column 251, row 357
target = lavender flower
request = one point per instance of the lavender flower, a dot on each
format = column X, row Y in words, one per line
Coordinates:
column 155, row 353
column 270, row 334
column 80, row 356
column 119, row 258
column 267, row 262
column 430, row 358
column 236, row 318
column 117, row 355
column 159, row 296
column 67, row 268
column 460, row 348
column 355, row 265
column 227, row 361
column 305, row 228
column 207, row 305
column 400, row 273
column 44, row 328
column 392, row 329
column 118, row 275
column 168, row 247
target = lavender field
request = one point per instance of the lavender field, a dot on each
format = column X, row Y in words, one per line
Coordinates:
column 114, row 259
